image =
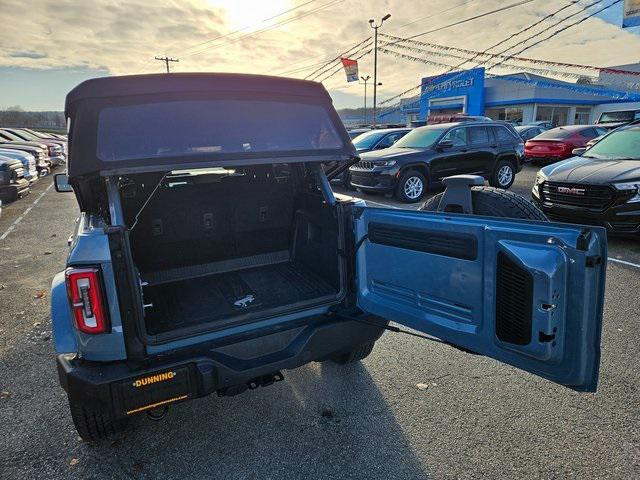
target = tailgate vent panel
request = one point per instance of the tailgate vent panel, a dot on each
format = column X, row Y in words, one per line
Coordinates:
column 514, row 300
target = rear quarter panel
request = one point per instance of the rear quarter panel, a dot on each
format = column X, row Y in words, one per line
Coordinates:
column 91, row 247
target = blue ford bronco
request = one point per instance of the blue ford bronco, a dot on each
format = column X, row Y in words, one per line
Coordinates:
column 210, row 254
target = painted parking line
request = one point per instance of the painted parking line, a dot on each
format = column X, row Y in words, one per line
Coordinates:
column 24, row 214
column 624, row 262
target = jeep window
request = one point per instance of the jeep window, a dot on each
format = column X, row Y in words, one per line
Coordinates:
column 212, row 126
column 503, row 134
column 619, row 145
column 420, row 138
column 458, row 136
column 478, row 136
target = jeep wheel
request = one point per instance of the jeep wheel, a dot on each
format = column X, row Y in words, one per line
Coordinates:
column 503, row 175
column 411, row 187
column 493, row 202
column 355, row 355
column 93, row 425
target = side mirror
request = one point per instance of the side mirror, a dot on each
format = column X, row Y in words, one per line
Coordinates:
column 443, row 144
column 578, row 151
column 61, row 182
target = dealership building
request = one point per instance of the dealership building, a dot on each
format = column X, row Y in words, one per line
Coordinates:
column 521, row 98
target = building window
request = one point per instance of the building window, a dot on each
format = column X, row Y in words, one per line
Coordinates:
column 556, row 115
column 509, row 114
column 582, row 116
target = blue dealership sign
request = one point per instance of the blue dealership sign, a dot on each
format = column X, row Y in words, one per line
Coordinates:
column 467, row 85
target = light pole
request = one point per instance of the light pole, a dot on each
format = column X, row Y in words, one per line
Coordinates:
column 375, row 27
column 365, row 80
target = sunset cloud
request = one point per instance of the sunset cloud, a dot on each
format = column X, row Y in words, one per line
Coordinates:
column 123, row 37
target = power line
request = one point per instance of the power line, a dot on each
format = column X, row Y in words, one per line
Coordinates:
column 459, row 22
column 491, row 54
column 506, row 57
column 247, row 27
column 475, row 17
column 560, row 30
column 318, row 72
column 436, row 14
column 527, row 47
column 526, row 29
column 266, row 29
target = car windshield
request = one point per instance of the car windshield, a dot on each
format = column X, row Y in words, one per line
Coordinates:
column 26, row 135
column 12, row 136
column 367, row 139
column 420, row 138
column 619, row 145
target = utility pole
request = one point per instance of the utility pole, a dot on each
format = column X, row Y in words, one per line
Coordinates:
column 375, row 27
column 365, row 80
column 166, row 60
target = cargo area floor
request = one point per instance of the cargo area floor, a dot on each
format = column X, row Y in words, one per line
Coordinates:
column 215, row 297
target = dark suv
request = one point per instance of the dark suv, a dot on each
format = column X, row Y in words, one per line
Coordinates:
column 426, row 155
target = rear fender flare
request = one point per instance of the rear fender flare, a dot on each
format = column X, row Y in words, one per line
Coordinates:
column 61, row 317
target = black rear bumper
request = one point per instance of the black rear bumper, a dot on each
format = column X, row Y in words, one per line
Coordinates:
column 125, row 389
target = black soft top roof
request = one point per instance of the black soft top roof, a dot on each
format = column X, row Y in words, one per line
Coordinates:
column 126, row 85
column 85, row 102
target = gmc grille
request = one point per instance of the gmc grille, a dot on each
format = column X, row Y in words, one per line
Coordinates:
column 596, row 197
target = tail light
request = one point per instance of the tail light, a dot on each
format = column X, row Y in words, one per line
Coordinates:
column 84, row 287
column 51, row 150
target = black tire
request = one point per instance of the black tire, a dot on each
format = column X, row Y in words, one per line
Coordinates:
column 94, row 425
column 403, row 190
column 494, row 202
column 503, row 175
column 355, row 355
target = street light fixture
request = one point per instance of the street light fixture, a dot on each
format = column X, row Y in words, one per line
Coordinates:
column 375, row 27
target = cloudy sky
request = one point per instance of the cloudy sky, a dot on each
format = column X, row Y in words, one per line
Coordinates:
column 48, row 46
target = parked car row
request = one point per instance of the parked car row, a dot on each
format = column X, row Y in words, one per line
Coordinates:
column 25, row 156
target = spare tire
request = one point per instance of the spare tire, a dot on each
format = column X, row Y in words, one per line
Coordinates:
column 495, row 202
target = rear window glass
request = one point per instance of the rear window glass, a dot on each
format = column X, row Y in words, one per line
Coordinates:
column 212, row 126
column 503, row 134
column 478, row 135
column 556, row 133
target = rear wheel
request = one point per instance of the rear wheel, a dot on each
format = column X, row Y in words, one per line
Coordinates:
column 494, row 202
column 503, row 175
column 355, row 355
column 411, row 187
column 93, row 425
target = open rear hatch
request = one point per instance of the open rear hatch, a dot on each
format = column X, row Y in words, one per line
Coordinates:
column 219, row 246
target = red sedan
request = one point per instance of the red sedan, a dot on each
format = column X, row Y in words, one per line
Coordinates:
column 557, row 143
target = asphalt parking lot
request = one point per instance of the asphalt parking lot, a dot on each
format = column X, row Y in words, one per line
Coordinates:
column 471, row 417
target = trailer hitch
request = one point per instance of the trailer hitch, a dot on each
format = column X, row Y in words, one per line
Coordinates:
column 457, row 194
column 261, row 381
